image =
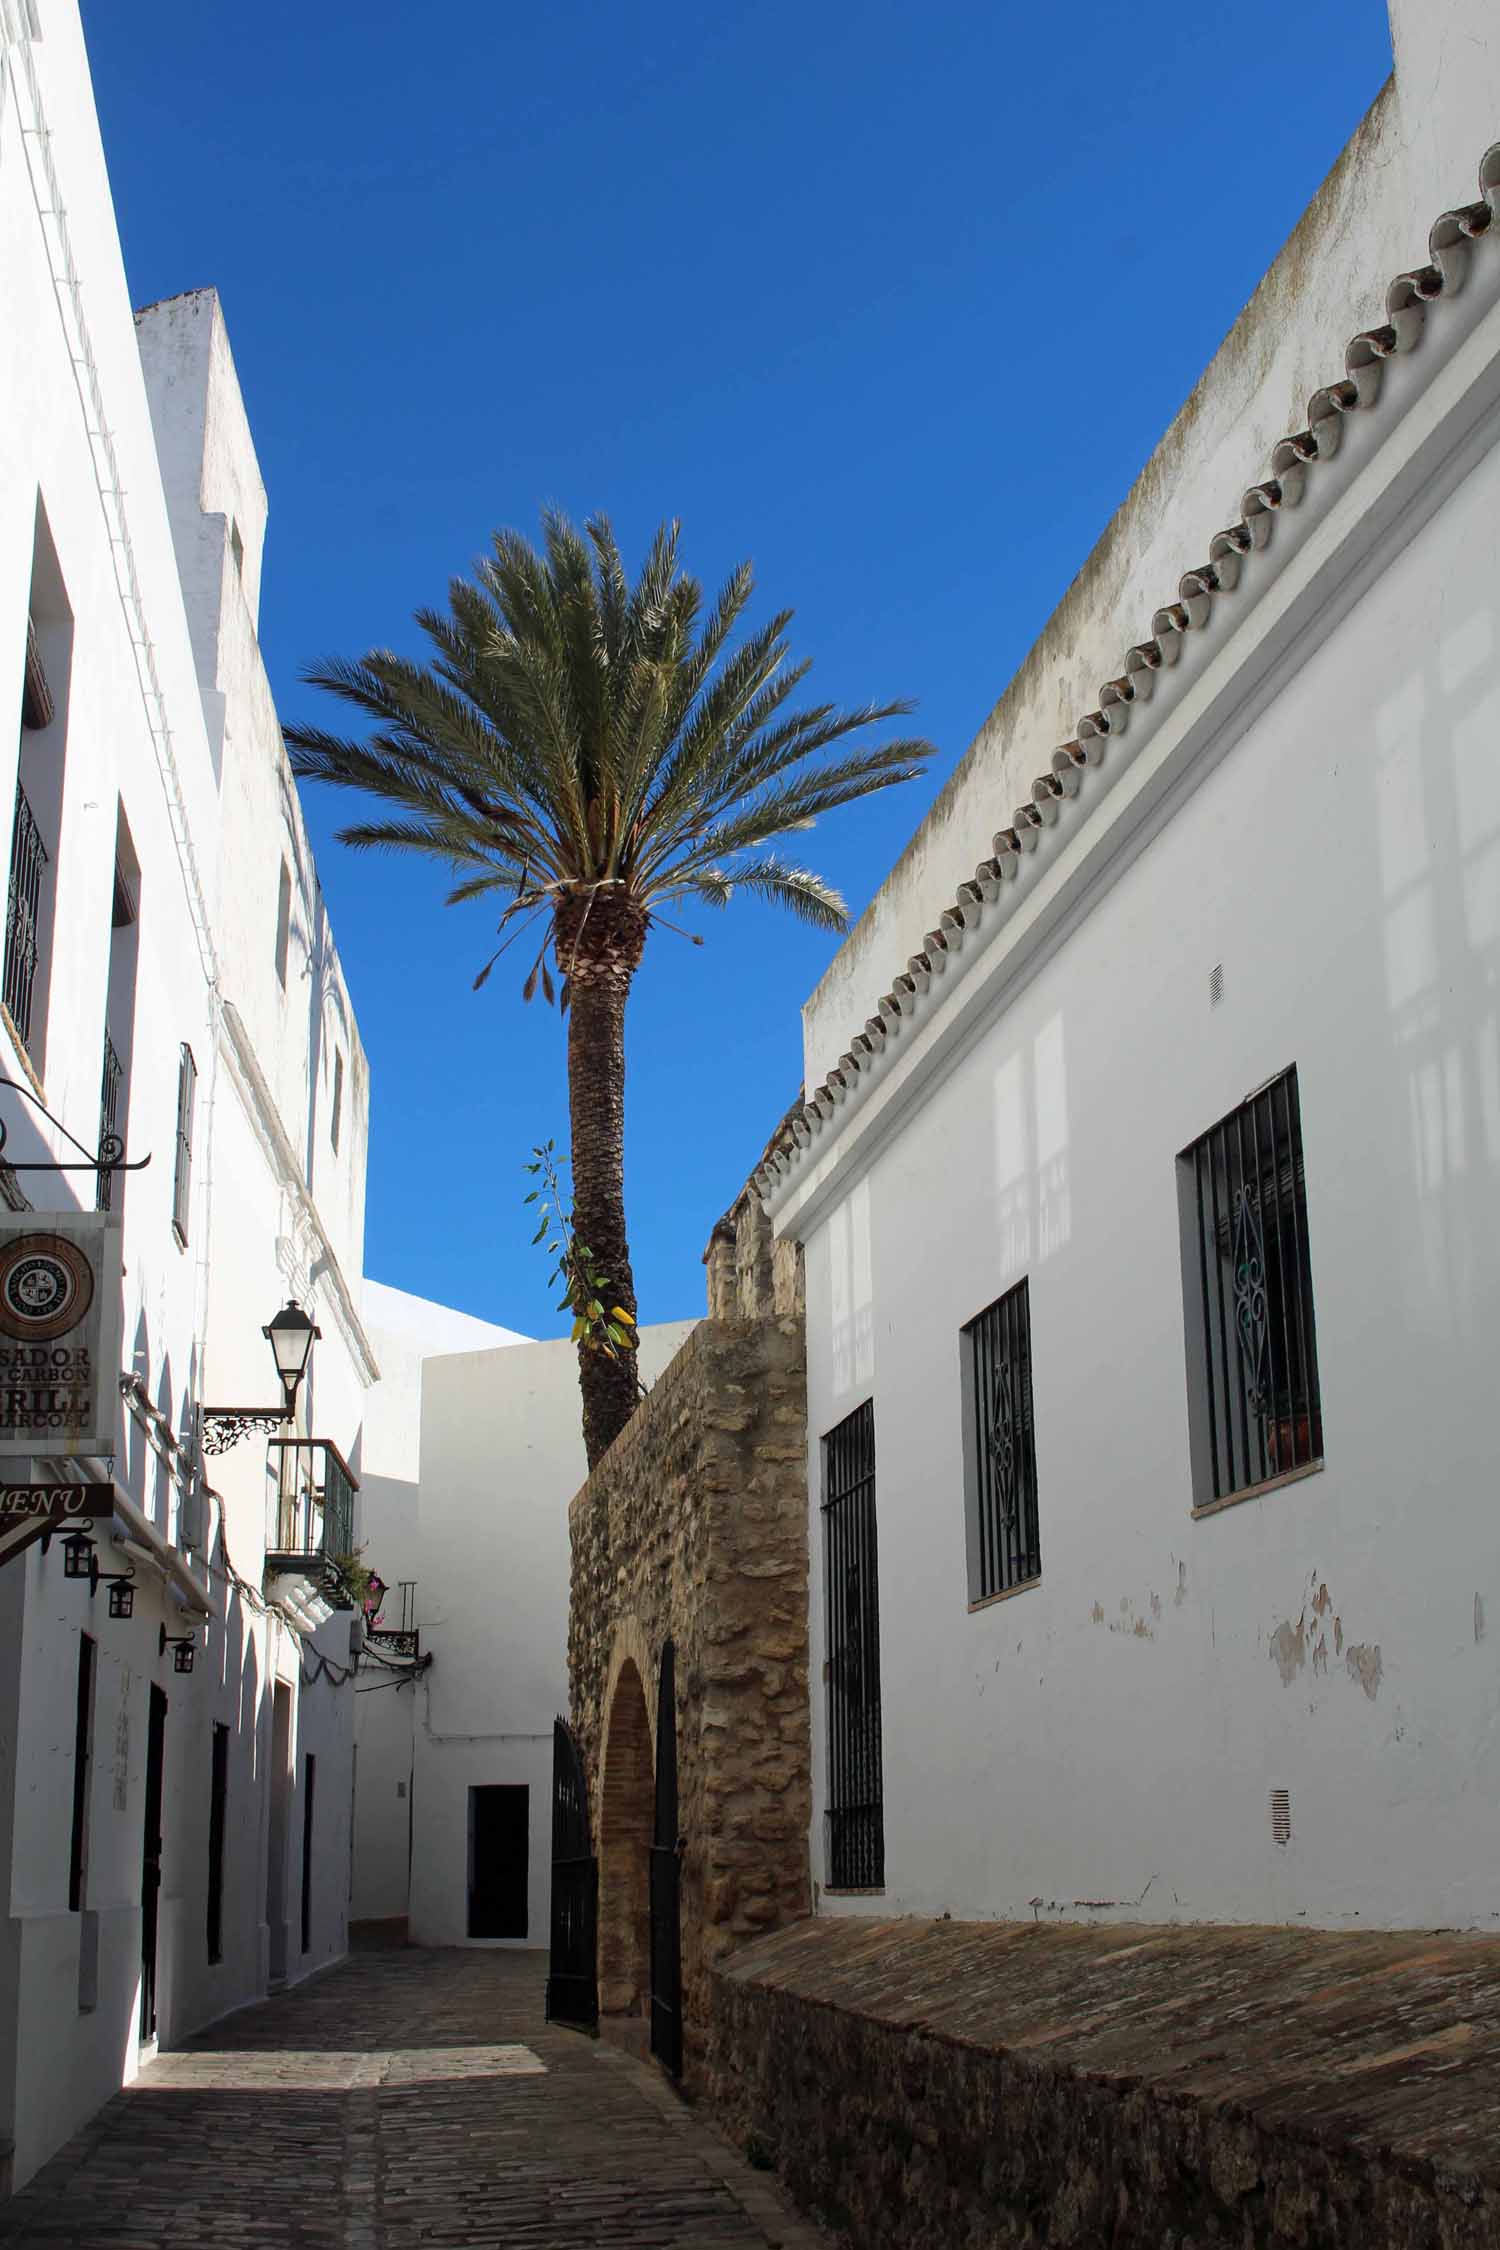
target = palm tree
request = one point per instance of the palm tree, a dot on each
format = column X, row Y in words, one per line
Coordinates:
column 596, row 752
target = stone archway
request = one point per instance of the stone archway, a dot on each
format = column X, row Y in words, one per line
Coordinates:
column 625, row 1817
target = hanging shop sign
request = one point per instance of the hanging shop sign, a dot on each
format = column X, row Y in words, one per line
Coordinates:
column 28, row 1511
column 60, row 1311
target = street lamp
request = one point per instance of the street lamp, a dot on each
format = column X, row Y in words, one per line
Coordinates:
column 291, row 1336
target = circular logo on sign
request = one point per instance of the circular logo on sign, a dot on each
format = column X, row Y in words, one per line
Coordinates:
column 46, row 1286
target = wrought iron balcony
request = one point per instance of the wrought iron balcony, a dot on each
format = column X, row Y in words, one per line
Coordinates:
column 391, row 1626
column 310, row 1513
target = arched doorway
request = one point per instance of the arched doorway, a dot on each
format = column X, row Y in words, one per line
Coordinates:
column 625, row 1825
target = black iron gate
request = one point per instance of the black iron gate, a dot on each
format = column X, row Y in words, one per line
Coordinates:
column 572, row 1981
column 666, row 1879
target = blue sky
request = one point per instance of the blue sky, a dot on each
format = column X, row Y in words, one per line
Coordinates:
column 893, row 301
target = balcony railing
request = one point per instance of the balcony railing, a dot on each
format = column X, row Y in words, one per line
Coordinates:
column 310, row 1510
column 23, row 915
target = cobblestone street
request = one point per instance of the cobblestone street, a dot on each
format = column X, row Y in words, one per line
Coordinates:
column 404, row 2101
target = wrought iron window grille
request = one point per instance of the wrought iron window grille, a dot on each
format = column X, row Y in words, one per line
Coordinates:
column 111, row 1089
column 1004, row 1536
column 23, row 916
column 1254, row 1408
column 856, row 1796
column 182, row 1178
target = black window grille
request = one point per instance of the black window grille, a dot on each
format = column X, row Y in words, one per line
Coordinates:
column 283, row 923
column 23, row 916
column 1005, row 1546
column 182, row 1179
column 856, row 1804
column 37, row 707
column 110, row 1106
column 217, row 1804
column 338, row 1099
column 1254, row 1411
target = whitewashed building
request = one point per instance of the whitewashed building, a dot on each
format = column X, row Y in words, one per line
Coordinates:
column 1149, row 1175
column 471, row 1458
column 172, row 1841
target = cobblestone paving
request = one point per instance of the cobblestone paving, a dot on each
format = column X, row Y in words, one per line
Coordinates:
column 404, row 2101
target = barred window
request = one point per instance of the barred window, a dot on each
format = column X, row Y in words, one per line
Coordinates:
column 856, row 1807
column 1252, row 1363
column 338, row 1099
column 1004, row 1539
column 187, row 1092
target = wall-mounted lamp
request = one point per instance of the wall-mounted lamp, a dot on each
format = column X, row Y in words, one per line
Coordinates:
column 81, row 1560
column 291, row 1336
column 374, row 1596
column 181, row 1645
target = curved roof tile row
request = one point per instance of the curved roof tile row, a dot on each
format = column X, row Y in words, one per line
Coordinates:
column 1406, row 305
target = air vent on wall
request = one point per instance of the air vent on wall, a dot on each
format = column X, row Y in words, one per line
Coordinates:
column 1281, row 1815
column 1216, row 984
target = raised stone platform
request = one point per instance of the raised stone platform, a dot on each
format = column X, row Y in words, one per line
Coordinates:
column 992, row 2083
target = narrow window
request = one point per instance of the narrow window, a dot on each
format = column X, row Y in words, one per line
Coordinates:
column 218, row 1791
column 236, row 548
column 310, row 1771
column 1004, row 1538
column 83, row 1761
column 856, row 1808
column 338, row 1098
column 182, row 1180
column 37, row 821
column 283, row 923
column 119, row 1014
column 1252, row 1365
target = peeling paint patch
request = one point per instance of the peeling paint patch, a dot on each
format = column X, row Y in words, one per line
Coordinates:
column 1179, row 1595
column 1338, row 1636
column 1363, row 1664
column 1478, row 1618
column 1097, row 1613
column 1320, row 1656
column 1289, row 1650
column 1156, row 1605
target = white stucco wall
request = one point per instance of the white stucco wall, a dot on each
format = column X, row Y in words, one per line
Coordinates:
column 264, row 1220
column 406, row 1329
column 502, row 1455
column 1105, row 1743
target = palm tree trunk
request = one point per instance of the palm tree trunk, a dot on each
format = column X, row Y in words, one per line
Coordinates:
column 599, row 952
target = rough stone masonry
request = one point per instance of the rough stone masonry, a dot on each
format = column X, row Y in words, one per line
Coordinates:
column 694, row 1528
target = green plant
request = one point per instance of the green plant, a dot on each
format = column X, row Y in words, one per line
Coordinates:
column 356, row 1574
column 598, row 1326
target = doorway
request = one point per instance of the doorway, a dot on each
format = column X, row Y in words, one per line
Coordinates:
column 310, row 1773
column 281, row 1786
column 151, row 1859
column 499, row 1860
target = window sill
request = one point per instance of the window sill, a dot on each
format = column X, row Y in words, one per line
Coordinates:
column 839, row 1890
column 1006, row 1594
column 19, row 1044
column 1257, row 1491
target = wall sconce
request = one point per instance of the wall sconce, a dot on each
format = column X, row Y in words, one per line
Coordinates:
column 81, row 1560
column 374, row 1596
column 181, row 1645
column 291, row 1336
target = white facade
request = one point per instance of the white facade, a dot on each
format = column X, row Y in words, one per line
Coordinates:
column 480, row 1523
column 1284, row 1708
column 130, row 530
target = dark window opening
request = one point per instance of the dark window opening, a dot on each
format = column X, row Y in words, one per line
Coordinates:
column 83, row 1762
column 218, row 1793
column 182, row 1178
column 338, row 1099
column 119, row 1015
column 283, row 923
column 1253, row 1401
column 856, row 1803
column 1004, row 1536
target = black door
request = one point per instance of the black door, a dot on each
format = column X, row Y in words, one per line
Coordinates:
column 666, row 1880
column 151, row 1860
column 499, row 1857
column 572, row 1979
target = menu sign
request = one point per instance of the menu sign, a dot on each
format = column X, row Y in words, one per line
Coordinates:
column 59, row 1333
column 27, row 1511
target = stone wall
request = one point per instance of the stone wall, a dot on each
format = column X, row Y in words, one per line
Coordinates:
column 1148, row 2088
column 694, row 1528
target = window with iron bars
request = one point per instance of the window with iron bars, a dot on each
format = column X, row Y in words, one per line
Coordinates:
column 1004, row 1539
column 1252, row 1363
column 182, row 1178
column 856, row 1804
